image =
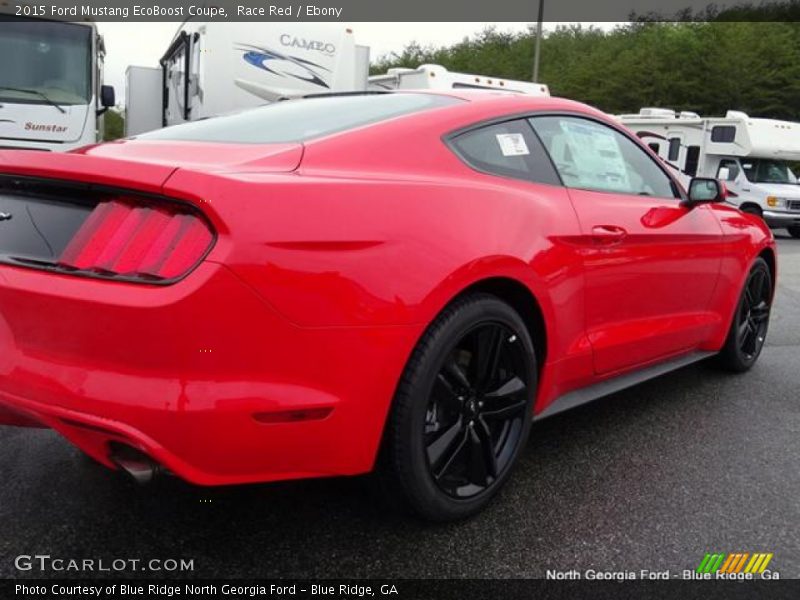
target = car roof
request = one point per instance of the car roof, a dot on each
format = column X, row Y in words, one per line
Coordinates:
column 506, row 102
column 487, row 100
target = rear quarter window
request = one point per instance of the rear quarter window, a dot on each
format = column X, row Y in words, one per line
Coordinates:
column 508, row 149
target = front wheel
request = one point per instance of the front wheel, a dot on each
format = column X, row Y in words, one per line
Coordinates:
column 794, row 231
column 752, row 209
column 463, row 409
column 750, row 322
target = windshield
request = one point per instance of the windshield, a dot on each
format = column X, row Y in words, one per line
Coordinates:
column 767, row 170
column 45, row 62
column 300, row 120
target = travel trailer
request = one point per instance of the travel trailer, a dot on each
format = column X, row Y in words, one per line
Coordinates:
column 52, row 96
column 144, row 109
column 216, row 68
column 436, row 77
column 211, row 69
column 752, row 156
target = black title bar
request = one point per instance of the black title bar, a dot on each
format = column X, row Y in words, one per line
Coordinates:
column 405, row 10
column 398, row 589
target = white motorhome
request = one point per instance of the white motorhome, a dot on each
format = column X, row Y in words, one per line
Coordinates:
column 436, row 77
column 211, row 69
column 52, row 96
column 751, row 155
column 215, row 68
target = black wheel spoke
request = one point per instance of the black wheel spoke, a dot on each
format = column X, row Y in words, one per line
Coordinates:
column 451, row 459
column 506, row 401
column 452, row 369
column 512, row 387
column 485, row 435
column 760, row 312
column 490, row 346
column 506, row 412
column 748, row 299
column 444, row 442
column 478, row 471
column 744, row 328
column 759, row 285
column 449, row 398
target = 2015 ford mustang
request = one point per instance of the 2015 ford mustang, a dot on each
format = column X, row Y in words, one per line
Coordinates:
column 397, row 282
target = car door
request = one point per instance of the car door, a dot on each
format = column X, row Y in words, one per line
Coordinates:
column 651, row 265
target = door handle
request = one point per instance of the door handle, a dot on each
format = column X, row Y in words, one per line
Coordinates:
column 608, row 234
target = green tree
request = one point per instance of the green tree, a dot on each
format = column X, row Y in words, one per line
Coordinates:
column 706, row 67
column 113, row 125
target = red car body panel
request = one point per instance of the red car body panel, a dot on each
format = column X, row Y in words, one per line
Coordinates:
column 278, row 356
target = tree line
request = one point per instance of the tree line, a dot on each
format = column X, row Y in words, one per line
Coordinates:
column 695, row 64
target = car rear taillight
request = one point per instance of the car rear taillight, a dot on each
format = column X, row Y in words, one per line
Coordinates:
column 123, row 238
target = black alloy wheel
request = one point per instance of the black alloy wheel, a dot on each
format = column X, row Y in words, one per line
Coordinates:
column 476, row 410
column 748, row 330
column 462, row 412
column 753, row 314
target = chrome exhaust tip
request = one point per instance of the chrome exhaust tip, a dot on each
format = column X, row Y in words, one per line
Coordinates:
column 135, row 463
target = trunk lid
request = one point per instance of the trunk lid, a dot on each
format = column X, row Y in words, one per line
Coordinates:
column 203, row 156
column 146, row 177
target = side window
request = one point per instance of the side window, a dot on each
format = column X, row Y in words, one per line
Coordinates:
column 509, row 149
column 749, row 169
column 692, row 160
column 723, row 133
column 674, row 149
column 593, row 156
column 728, row 170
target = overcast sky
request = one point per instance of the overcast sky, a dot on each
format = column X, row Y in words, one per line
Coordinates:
column 143, row 44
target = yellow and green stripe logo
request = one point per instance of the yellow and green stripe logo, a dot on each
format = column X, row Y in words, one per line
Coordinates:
column 739, row 562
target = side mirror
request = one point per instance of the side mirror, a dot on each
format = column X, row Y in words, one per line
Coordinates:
column 108, row 98
column 704, row 190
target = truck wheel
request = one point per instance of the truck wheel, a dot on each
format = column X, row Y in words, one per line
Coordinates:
column 794, row 231
column 752, row 209
column 463, row 410
column 750, row 321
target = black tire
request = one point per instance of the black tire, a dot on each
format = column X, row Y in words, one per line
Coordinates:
column 462, row 412
column 753, row 209
column 794, row 231
column 750, row 322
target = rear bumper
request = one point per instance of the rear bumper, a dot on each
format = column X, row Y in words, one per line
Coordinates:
column 781, row 219
column 203, row 376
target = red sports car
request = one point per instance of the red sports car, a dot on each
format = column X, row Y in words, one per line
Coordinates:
column 397, row 282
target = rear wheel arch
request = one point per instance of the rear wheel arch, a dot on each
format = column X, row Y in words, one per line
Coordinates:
column 519, row 297
column 509, row 290
column 403, row 469
column 769, row 256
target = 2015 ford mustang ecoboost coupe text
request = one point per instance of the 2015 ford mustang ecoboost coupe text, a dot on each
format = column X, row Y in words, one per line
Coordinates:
column 396, row 282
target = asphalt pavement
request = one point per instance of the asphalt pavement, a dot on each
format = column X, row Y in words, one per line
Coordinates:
column 650, row 478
